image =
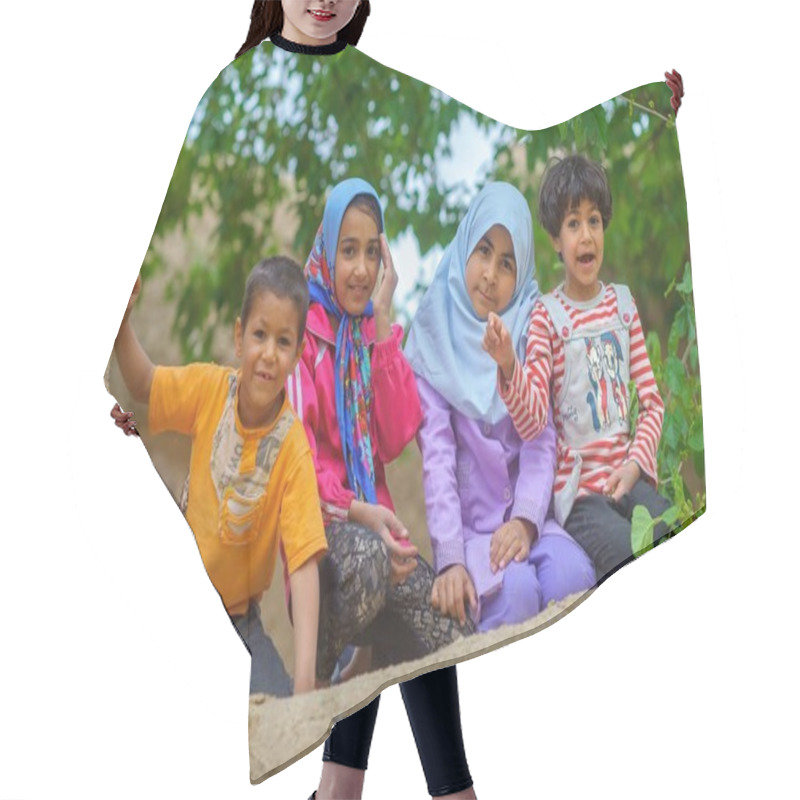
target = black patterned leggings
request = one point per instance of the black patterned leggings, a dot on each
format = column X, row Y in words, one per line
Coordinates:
column 432, row 707
column 358, row 604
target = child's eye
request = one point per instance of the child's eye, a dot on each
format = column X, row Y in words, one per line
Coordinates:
column 284, row 342
column 373, row 252
column 508, row 265
column 259, row 334
column 348, row 251
column 595, row 220
column 573, row 223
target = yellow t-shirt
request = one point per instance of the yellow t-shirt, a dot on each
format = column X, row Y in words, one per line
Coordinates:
column 250, row 490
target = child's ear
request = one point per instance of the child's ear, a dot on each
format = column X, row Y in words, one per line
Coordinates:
column 237, row 336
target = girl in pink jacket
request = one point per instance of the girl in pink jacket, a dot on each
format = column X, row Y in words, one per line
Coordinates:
column 357, row 398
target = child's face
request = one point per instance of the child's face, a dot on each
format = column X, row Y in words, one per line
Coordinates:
column 316, row 21
column 358, row 257
column 491, row 274
column 580, row 242
column 268, row 347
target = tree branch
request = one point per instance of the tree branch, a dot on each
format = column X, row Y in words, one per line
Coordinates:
column 646, row 109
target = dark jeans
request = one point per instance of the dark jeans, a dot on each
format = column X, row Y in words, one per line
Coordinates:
column 267, row 673
column 432, row 706
column 602, row 526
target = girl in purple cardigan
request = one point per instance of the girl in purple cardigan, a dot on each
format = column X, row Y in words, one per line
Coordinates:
column 498, row 552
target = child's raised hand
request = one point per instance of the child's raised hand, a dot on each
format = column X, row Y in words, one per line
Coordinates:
column 137, row 288
column 382, row 300
column 511, row 541
column 622, row 480
column 497, row 343
column 451, row 589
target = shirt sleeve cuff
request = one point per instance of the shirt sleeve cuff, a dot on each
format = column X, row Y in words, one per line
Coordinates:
column 506, row 389
column 331, row 512
column 525, row 509
column 385, row 352
column 445, row 554
column 649, row 475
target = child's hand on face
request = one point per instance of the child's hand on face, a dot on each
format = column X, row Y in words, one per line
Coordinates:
column 378, row 518
column 511, row 541
column 382, row 300
column 451, row 589
column 622, row 480
column 497, row 343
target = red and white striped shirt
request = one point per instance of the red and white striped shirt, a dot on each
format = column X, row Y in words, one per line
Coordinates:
column 528, row 393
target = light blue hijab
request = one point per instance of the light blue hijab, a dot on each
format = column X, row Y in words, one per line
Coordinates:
column 444, row 344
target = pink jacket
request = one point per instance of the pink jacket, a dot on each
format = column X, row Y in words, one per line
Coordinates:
column 396, row 410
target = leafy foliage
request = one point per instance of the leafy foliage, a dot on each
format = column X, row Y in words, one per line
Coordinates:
column 678, row 375
column 643, row 527
column 276, row 130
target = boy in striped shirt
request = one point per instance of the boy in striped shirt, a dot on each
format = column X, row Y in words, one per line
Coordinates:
column 585, row 345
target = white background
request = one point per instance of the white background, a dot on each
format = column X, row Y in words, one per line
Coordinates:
column 120, row 675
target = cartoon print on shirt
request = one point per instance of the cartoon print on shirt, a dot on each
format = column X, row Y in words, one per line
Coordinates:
column 594, row 358
column 612, row 360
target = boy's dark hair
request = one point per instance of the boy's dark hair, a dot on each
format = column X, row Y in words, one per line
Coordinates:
column 370, row 206
column 284, row 278
column 266, row 19
column 566, row 182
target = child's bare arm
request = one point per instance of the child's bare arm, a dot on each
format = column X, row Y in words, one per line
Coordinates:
column 134, row 363
column 304, row 584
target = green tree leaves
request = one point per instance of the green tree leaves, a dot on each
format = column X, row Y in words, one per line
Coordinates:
column 277, row 130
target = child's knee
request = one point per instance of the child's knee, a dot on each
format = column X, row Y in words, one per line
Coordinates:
column 519, row 598
column 564, row 567
column 375, row 557
column 371, row 570
column 366, row 556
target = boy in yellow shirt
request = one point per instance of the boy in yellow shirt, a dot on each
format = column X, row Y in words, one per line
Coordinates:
column 252, row 484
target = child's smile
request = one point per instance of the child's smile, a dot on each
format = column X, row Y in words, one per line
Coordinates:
column 316, row 21
column 268, row 348
column 580, row 243
column 322, row 16
column 491, row 273
column 358, row 257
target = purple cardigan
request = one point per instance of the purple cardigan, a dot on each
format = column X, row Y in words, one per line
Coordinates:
column 476, row 476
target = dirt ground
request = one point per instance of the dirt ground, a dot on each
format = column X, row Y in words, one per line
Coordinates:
column 284, row 730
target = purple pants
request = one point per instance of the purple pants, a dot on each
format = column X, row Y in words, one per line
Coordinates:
column 556, row 567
